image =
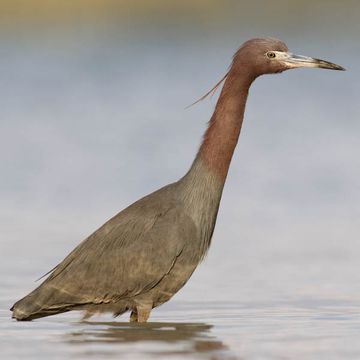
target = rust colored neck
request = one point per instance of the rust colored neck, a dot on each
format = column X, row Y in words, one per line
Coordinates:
column 222, row 135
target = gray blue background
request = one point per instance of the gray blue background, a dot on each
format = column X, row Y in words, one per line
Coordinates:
column 92, row 117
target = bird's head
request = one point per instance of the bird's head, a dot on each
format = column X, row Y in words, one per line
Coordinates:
column 269, row 56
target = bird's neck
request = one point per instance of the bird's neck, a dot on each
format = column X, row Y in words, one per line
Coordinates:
column 201, row 188
column 223, row 132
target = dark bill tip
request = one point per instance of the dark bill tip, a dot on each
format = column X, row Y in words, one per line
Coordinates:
column 306, row 61
column 328, row 65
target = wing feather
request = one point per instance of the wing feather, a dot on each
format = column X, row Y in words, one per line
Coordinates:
column 128, row 255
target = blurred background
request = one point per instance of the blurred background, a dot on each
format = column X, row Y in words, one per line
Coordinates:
column 93, row 96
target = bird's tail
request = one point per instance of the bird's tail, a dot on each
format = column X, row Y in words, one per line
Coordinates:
column 41, row 302
column 24, row 311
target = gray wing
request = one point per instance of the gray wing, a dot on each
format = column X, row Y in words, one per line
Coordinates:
column 128, row 255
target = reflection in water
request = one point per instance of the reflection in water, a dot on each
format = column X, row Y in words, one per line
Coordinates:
column 168, row 339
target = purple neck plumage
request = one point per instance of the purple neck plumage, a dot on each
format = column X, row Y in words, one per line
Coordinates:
column 222, row 135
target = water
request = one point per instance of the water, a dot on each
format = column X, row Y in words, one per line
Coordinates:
column 92, row 117
column 298, row 330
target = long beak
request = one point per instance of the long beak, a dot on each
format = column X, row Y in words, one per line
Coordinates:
column 296, row 61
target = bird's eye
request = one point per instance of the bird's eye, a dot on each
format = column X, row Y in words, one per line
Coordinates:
column 270, row 55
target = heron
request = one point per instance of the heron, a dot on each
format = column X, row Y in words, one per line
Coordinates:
column 146, row 253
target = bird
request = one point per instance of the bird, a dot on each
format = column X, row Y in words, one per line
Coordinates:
column 146, row 253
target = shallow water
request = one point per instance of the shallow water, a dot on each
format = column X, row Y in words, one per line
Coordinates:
column 195, row 330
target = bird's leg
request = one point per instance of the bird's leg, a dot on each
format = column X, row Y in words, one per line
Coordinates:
column 140, row 313
column 143, row 313
column 134, row 316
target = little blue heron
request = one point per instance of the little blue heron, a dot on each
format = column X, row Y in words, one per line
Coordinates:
column 146, row 253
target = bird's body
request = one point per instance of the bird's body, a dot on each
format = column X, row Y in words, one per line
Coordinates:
column 142, row 256
column 134, row 261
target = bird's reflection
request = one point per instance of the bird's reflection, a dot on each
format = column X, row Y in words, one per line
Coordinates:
column 156, row 338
